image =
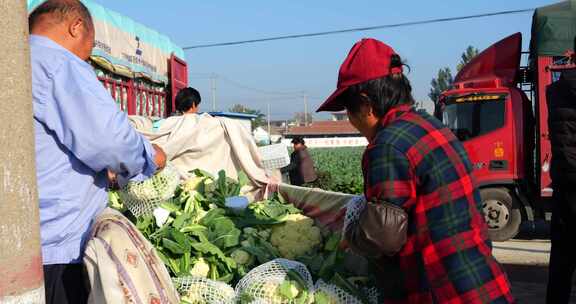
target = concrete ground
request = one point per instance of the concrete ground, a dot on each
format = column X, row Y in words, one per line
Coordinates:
column 526, row 262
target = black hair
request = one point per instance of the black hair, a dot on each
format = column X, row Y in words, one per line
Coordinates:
column 298, row 140
column 383, row 93
column 186, row 99
column 60, row 10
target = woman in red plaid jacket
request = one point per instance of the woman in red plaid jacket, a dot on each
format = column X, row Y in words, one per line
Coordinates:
column 415, row 163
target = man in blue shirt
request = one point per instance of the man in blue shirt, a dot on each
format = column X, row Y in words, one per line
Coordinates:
column 80, row 134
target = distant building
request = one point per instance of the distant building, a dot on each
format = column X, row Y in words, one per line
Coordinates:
column 339, row 116
column 279, row 127
column 328, row 133
column 279, row 123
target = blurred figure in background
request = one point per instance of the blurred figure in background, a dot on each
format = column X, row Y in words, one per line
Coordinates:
column 301, row 168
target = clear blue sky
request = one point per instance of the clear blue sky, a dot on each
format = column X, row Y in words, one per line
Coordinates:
column 311, row 64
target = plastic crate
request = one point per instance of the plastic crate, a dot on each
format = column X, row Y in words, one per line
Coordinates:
column 274, row 156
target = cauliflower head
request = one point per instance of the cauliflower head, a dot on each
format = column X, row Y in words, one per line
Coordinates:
column 296, row 236
column 200, row 269
column 321, row 297
column 191, row 184
column 206, row 292
column 242, row 257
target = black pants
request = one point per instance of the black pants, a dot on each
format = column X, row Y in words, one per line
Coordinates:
column 563, row 254
column 65, row 284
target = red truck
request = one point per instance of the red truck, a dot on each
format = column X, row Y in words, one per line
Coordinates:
column 140, row 67
column 498, row 109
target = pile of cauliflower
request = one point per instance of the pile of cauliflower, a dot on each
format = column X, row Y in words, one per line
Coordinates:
column 296, row 237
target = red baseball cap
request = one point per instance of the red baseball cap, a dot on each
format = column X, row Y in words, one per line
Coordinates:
column 369, row 59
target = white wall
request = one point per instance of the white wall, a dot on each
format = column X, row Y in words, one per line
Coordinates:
column 331, row 142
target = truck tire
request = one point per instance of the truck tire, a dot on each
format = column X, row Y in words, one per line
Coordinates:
column 502, row 215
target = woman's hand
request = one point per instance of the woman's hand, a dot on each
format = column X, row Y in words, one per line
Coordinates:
column 160, row 157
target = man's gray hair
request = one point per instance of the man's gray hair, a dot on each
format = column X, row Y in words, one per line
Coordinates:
column 60, row 10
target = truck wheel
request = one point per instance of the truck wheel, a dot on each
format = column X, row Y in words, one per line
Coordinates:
column 502, row 215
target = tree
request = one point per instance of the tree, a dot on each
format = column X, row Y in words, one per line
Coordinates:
column 257, row 122
column 300, row 118
column 444, row 80
column 467, row 56
column 440, row 84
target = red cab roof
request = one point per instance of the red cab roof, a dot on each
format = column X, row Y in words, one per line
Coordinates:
column 496, row 66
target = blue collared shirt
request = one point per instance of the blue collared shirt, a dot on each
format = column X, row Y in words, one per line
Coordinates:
column 80, row 132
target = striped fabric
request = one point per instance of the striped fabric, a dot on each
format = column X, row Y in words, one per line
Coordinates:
column 419, row 165
column 123, row 267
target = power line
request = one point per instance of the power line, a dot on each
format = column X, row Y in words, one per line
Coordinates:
column 242, row 86
column 360, row 29
column 285, row 94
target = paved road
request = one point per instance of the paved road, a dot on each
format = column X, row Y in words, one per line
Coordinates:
column 526, row 262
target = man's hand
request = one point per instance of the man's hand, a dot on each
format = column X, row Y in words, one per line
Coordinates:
column 112, row 180
column 160, row 158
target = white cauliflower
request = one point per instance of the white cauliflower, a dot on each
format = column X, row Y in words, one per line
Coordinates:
column 274, row 292
column 204, row 291
column 296, row 236
column 191, row 184
column 160, row 187
column 200, row 269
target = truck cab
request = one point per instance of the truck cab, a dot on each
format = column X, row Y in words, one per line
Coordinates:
column 500, row 113
column 493, row 118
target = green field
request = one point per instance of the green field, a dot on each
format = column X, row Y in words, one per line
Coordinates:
column 339, row 169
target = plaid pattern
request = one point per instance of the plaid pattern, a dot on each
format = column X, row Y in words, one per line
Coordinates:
column 418, row 164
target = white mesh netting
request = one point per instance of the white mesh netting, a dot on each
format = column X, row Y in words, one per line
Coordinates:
column 141, row 198
column 198, row 290
column 333, row 294
column 261, row 284
column 353, row 210
column 373, row 294
column 336, row 295
column 258, row 301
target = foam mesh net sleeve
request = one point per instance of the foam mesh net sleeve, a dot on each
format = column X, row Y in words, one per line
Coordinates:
column 261, row 283
column 141, row 198
column 201, row 290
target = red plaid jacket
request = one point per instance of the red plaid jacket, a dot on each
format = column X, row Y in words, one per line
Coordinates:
column 418, row 164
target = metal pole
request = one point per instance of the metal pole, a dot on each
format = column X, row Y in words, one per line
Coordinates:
column 22, row 279
column 305, row 110
column 213, row 84
column 269, row 119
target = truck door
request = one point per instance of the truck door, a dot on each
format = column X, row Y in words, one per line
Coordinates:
column 178, row 80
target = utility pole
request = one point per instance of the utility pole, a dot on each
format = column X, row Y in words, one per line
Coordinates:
column 213, row 86
column 305, row 109
column 22, row 279
column 269, row 134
